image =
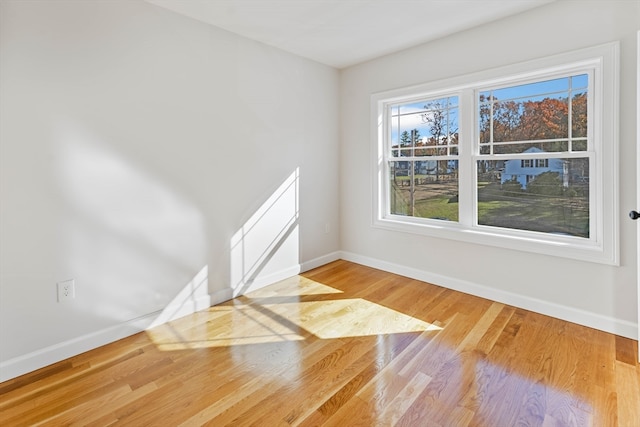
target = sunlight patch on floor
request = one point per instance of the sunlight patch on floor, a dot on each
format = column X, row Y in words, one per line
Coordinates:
column 277, row 313
column 223, row 326
column 293, row 287
column 348, row 318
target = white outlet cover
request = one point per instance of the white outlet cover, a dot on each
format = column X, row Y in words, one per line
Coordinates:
column 66, row 290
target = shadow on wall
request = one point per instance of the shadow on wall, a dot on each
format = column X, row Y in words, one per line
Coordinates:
column 268, row 242
column 193, row 297
column 127, row 237
column 263, row 250
column 134, row 243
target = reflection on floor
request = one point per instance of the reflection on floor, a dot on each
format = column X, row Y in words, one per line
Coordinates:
column 294, row 309
column 343, row 345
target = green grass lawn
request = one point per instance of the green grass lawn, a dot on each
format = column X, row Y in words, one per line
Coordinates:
column 550, row 216
column 565, row 215
column 501, row 209
column 437, row 207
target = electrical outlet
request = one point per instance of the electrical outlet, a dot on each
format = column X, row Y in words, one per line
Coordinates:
column 66, row 290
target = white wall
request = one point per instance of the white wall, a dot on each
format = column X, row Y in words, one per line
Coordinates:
column 598, row 295
column 135, row 144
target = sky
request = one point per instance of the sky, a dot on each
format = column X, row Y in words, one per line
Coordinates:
column 406, row 117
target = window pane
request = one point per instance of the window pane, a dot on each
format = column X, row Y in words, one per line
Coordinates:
column 533, row 112
column 579, row 82
column 484, row 122
column 531, row 89
column 529, row 147
column 579, row 145
column 405, row 124
column 532, row 139
column 545, row 195
column 579, row 115
column 424, row 189
column 530, row 119
column 431, row 126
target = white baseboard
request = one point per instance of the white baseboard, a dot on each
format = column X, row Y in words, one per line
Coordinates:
column 262, row 281
column 30, row 362
column 582, row 317
column 55, row 353
column 176, row 311
column 38, row 359
column 220, row 296
column 320, row 261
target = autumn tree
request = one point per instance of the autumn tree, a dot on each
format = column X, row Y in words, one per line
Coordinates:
column 579, row 116
column 507, row 121
column 546, row 119
column 532, row 121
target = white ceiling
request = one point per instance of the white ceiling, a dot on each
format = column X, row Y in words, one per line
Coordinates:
column 340, row 33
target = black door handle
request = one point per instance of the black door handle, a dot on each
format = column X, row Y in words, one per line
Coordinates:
column 634, row 214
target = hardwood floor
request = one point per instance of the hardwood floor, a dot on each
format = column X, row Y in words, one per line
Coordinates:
column 343, row 345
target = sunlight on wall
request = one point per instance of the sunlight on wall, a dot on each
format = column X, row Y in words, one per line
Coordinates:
column 193, row 297
column 130, row 240
column 267, row 317
column 271, row 233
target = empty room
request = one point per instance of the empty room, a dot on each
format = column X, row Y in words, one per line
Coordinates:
column 320, row 212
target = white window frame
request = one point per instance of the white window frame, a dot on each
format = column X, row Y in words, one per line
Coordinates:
column 602, row 246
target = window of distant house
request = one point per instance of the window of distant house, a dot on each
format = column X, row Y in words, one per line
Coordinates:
column 536, row 163
column 521, row 157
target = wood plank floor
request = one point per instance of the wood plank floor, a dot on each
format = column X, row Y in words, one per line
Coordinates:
column 343, row 345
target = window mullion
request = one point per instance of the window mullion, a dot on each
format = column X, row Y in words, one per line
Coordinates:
column 544, row 190
column 467, row 205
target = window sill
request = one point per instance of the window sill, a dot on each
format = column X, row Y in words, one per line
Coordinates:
column 526, row 241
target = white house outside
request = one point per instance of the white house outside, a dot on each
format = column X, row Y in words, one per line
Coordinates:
column 525, row 170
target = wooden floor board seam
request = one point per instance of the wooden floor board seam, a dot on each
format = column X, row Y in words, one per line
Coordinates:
column 343, row 345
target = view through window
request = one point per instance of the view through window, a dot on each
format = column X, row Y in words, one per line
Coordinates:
column 524, row 159
column 544, row 184
column 532, row 160
column 423, row 166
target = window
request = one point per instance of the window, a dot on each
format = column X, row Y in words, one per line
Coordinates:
column 543, row 117
column 521, row 157
column 422, row 162
column 534, row 163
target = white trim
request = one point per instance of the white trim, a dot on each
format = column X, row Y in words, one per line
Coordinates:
column 176, row 311
column 219, row 296
column 603, row 244
column 570, row 314
column 320, row 261
column 262, row 281
column 55, row 353
column 638, row 184
column 29, row 362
